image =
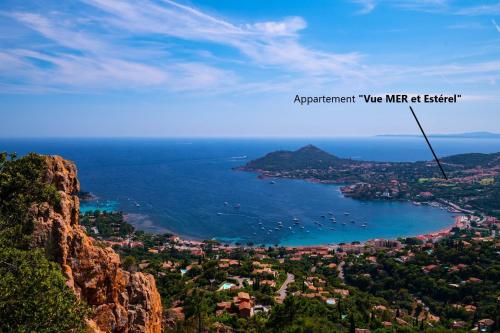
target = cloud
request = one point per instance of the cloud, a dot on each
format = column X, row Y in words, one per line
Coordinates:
column 287, row 27
column 367, row 6
column 270, row 43
column 495, row 25
column 92, row 47
column 493, row 9
column 63, row 36
column 111, row 44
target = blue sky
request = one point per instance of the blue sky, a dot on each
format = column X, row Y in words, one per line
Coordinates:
column 232, row 68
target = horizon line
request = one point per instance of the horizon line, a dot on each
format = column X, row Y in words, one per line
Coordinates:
column 247, row 137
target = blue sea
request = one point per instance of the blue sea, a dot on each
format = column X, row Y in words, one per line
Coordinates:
column 189, row 187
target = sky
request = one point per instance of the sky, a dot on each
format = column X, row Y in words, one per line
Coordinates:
column 225, row 68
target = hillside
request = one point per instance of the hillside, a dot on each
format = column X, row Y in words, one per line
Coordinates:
column 39, row 214
column 312, row 157
column 473, row 160
column 306, row 157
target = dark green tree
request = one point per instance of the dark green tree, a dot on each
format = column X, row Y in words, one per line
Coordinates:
column 34, row 296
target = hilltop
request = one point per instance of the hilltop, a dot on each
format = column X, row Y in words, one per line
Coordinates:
column 306, row 157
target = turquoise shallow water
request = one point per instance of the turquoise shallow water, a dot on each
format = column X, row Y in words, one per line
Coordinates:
column 181, row 186
column 103, row 206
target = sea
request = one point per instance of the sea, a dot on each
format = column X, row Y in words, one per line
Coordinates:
column 190, row 187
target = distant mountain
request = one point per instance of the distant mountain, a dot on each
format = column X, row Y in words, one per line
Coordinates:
column 311, row 157
column 469, row 135
column 473, row 160
column 308, row 157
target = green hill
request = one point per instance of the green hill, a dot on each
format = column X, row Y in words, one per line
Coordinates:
column 308, row 157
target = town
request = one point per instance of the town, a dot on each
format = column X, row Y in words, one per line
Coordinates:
column 448, row 280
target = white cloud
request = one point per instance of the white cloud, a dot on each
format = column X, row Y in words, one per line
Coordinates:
column 287, row 27
column 100, row 53
column 495, row 25
column 367, row 6
column 121, row 45
column 492, row 9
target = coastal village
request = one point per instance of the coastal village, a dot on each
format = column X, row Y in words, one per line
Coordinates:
column 444, row 281
column 471, row 184
column 246, row 282
column 119, row 279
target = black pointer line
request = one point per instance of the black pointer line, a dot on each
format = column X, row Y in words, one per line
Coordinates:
column 428, row 143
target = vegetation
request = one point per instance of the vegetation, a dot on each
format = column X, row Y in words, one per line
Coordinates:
column 33, row 293
column 108, row 224
column 34, row 296
column 21, row 190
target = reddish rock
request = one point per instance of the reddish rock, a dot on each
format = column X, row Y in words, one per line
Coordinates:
column 123, row 302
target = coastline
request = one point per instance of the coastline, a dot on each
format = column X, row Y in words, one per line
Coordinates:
column 144, row 223
column 458, row 222
column 435, row 235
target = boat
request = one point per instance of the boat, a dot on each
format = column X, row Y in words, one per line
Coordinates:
column 237, row 206
column 290, row 228
column 219, row 213
column 364, row 225
column 295, row 219
column 226, row 203
column 343, row 223
column 352, row 221
column 346, row 213
column 272, row 182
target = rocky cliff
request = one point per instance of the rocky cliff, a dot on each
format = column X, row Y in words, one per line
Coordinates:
column 122, row 301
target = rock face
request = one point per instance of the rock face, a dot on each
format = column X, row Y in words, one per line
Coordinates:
column 122, row 301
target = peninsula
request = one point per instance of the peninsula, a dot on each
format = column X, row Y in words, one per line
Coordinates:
column 473, row 184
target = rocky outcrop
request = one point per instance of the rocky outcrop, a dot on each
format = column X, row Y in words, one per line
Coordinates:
column 121, row 301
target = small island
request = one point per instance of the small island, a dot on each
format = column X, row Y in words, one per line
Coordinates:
column 472, row 185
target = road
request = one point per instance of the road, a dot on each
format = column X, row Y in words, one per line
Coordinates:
column 282, row 291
